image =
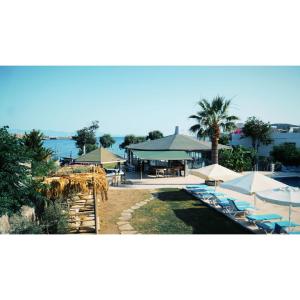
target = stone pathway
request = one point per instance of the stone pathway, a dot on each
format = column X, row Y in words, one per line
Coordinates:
column 126, row 215
column 82, row 214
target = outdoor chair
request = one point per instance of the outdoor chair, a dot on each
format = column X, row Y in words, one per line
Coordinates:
column 202, row 191
column 259, row 218
column 224, row 201
column 235, row 209
column 197, row 186
column 208, row 196
column 270, row 227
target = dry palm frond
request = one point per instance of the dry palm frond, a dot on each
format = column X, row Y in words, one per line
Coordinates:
column 68, row 184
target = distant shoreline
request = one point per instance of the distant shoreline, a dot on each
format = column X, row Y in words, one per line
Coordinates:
column 57, row 138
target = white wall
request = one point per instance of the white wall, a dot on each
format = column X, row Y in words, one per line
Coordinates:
column 278, row 138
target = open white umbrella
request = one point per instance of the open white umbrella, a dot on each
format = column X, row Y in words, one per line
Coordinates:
column 215, row 172
column 287, row 196
column 252, row 183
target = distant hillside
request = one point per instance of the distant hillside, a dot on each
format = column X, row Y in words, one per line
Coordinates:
column 45, row 132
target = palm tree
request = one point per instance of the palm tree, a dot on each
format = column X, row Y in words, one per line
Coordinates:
column 211, row 120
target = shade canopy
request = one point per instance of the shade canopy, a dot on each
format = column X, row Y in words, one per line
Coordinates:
column 287, row 196
column 162, row 155
column 282, row 196
column 215, row 172
column 252, row 183
column 175, row 142
column 100, row 156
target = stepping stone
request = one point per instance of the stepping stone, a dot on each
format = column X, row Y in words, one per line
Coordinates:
column 122, row 223
column 123, row 218
column 135, row 207
column 88, row 223
column 129, row 232
column 126, row 227
column 128, row 210
column 126, row 214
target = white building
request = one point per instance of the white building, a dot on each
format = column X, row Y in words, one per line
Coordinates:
column 277, row 137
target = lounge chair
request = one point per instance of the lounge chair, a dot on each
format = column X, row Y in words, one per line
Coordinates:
column 225, row 201
column 235, row 209
column 270, row 227
column 200, row 188
column 266, row 217
column 195, row 186
column 210, row 195
column 279, row 228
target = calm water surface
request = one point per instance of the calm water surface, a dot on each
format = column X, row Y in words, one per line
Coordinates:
column 291, row 181
column 67, row 148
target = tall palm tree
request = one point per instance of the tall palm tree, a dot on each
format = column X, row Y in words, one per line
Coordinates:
column 211, row 120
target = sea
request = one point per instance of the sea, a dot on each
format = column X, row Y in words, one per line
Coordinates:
column 67, row 147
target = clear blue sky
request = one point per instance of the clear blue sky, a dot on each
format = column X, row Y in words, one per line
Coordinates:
column 139, row 99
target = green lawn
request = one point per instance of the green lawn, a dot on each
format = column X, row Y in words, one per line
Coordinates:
column 176, row 212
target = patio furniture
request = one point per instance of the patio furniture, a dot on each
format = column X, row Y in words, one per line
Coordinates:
column 202, row 190
column 193, row 186
column 224, row 201
column 160, row 171
column 269, row 227
column 235, row 209
column 207, row 195
column 266, row 217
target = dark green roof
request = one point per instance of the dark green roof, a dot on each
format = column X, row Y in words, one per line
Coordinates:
column 99, row 156
column 162, row 155
column 175, row 142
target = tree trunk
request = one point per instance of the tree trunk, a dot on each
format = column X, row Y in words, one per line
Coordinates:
column 214, row 151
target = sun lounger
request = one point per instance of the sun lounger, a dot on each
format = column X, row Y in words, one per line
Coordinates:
column 225, row 201
column 269, row 227
column 265, row 217
column 200, row 188
column 211, row 195
column 200, row 191
column 235, row 209
column 195, row 186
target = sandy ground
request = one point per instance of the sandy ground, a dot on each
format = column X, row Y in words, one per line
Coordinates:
column 118, row 200
column 264, row 207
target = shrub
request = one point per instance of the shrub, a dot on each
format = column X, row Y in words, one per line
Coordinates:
column 287, row 154
column 21, row 225
column 237, row 159
column 55, row 219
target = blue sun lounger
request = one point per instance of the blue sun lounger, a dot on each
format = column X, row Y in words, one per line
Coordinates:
column 269, row 227
column 197, row 186
column 266, row 217
column 208, row 195
column 224, row 201
column 234, row 208
column 200, row 189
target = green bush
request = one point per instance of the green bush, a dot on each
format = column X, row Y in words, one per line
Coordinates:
column 55, row 219
column 21, row 225
column 287, row 154
column 238, row 159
